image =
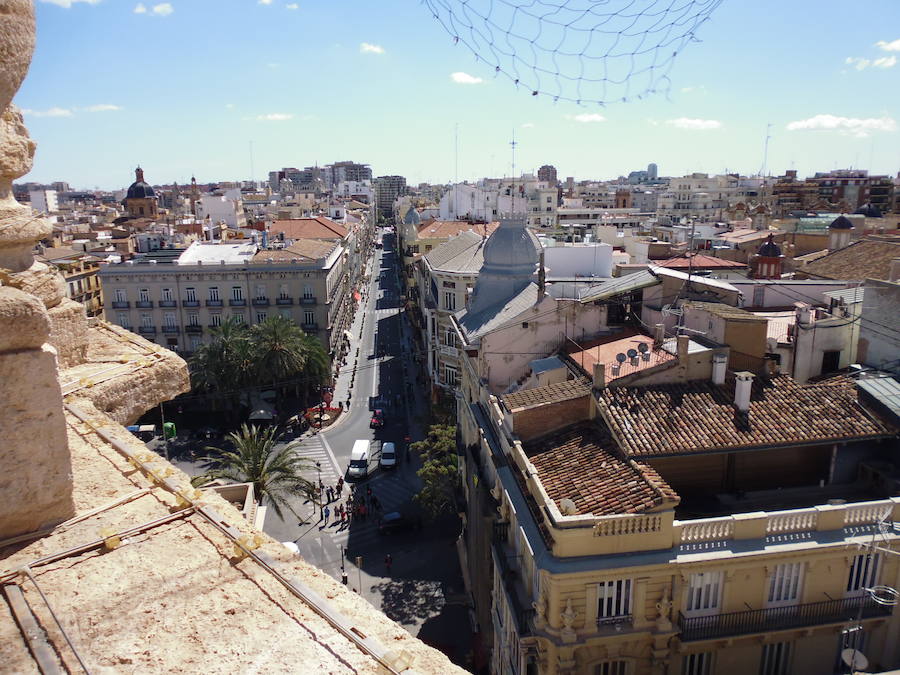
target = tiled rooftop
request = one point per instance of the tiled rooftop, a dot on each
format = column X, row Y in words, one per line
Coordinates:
column 606, row 349
column 580, row 464
column 699, row 416
column 863, row 259
column 444, row 229
column 549, row 393
column 309, row 228
column 304, row 250
column 701, row 262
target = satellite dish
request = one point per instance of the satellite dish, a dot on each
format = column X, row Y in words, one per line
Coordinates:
column 855, row 659
column 643, row 348
column 632, row 353
column 621, row 358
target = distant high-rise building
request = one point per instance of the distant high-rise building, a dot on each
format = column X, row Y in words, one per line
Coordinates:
column 349, row 171
column 652, row 171
column 547, row 174
column 387, row 189
column 43, row 201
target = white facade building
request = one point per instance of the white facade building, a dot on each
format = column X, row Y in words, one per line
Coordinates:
column 44, row 201
column 227, row 208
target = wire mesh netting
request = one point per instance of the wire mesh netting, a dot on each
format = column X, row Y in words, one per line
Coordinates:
column 585, row 51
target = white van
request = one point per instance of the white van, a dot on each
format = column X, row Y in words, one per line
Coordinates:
column 359, row 460
column 388, row 456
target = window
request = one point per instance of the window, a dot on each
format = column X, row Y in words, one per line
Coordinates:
column 307, row 291
column 283, row 291
column 286, row 314
column 863, row 573
column 449, row 284
column 167, row 294
column 215, row 320
column 785, row 583
column 704, row 593
column 697, row 664
column 144, row 295
column 237, row 293
column 260, row 291
column 451, row 376
column 450, row 301
column 239, row 317
column 260, row 317
column 169, row 319
column 193, row 319
column 614, row 600
column 610, row 668
column 195, row 342
column 309, row 317
column 214, row 293
column 146, row 321
column 776, row 659
column 190, row 294
column 449, row 337
column 122, row 320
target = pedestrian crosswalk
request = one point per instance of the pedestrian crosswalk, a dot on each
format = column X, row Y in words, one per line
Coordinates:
column 321, row 462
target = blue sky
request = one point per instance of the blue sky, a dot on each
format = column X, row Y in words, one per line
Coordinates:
column 184, row 87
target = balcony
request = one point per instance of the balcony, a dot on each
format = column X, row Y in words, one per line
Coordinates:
column 449, row 351
column 171, row 330
column 284, row 301
column 237, row 302
column 168, row 303
column 519, row 604
column 500, row 532
column 147, row 330
column 310, row 327
column 261, row 302
column 193, row 330
column 779, row 618
column 308, row 300
column 144, row 304
column 120, row 304
column 213, row 303
column 190, row 303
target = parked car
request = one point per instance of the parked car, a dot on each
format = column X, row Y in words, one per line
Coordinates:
column 395, row 522
column 388, row 459
column 377, row 419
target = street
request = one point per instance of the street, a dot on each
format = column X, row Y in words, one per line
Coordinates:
column 423, row 589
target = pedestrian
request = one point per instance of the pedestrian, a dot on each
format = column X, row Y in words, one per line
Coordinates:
column 388, row 561
column 326, row 512
column 340, row 485
column 330, row 492
column 369, row 492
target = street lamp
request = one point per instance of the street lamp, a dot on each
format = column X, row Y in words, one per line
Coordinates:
column 319, row 470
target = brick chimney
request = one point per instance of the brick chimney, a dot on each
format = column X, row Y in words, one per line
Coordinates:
column 742, row 386
column 659, row 334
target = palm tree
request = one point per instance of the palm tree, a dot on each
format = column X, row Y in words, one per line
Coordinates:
column 275, row 474
column 281, row 351
column 225, row 364
column 318, row 365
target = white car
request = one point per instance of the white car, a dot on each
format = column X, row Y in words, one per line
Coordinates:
column 388, row 458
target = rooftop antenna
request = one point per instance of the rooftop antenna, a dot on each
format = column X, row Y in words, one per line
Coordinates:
column 512, row 145
column 762, row 171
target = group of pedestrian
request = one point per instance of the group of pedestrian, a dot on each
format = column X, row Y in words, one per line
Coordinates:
column 359, row 505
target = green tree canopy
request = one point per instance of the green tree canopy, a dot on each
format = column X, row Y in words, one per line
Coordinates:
column 439, row 472
column 275, row 474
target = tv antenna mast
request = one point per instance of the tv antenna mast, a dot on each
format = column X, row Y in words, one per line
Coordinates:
column 765, row 162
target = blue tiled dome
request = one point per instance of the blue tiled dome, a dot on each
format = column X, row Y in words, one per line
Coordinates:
column 139, row 189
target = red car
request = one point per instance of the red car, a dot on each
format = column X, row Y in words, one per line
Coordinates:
column 377, row 419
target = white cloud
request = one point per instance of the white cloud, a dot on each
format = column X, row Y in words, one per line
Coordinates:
column 229, row 106
column 861, row 63
column 140, row 8
column 698, row 88
column 528, row 125
column 273, row 65
column 275, row 117
column 586, row 118
column 265, row 2
column 68, row 3
column 163, row 9
column 366, row 48
column 851, row 126
column 893, row 46
column 465, row 78
column 102, row 107
column 694, row 124
column 50, row 112
column 292, row 5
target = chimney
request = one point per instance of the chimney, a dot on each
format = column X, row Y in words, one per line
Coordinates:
column 659, row 334
column 720, row 362
column 542, row 277
column 742, row 386
column 599, row 376
column 804, row 313
column 682, row 342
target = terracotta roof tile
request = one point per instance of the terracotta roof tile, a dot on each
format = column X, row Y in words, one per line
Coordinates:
column 444, row 229
column 863, row 259
column 580, row 464
column 309, row 228
column 699, row 416
column 549, row 393
column 700, row 262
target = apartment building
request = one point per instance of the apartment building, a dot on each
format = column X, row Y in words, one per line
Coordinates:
column 387, row 190
column 177, row 304
column 79, row 271
column 666, row 515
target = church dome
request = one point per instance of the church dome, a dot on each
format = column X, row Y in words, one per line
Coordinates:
column 769, row 249
column 511, row 250
column 869, row 210
column 841, row 223
column 139, row 189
